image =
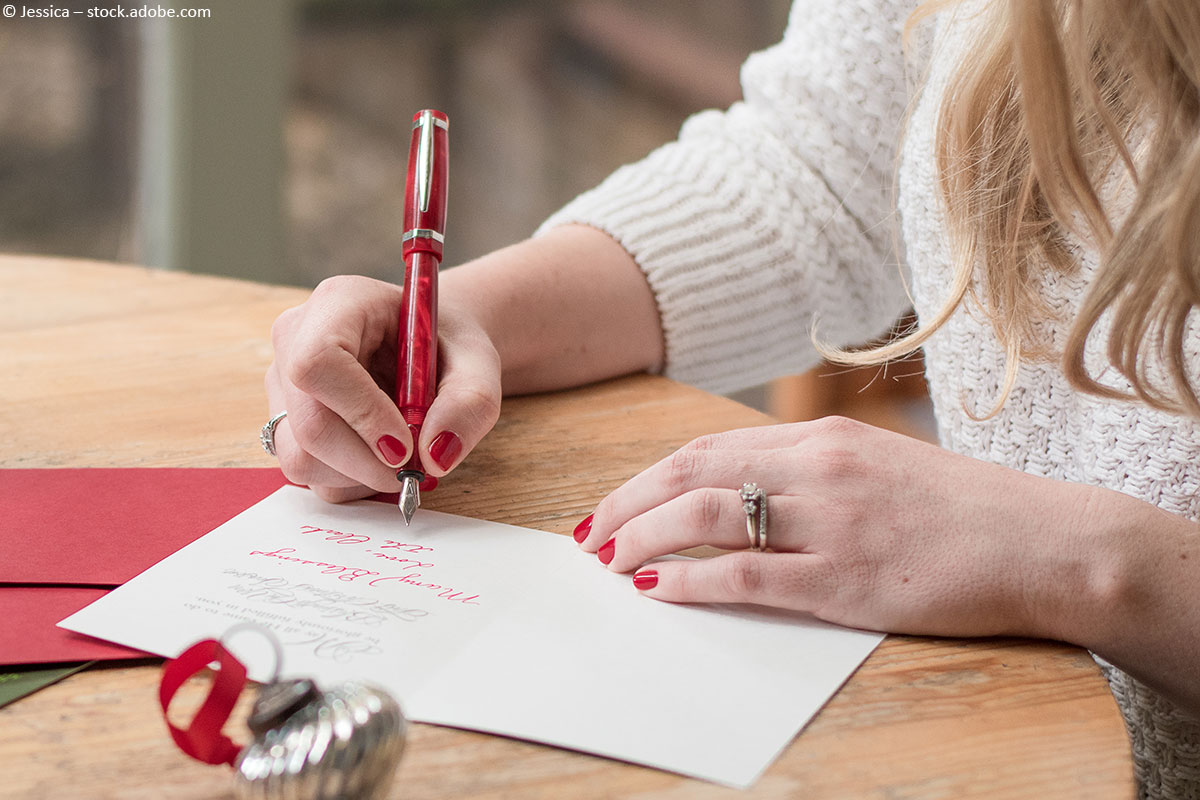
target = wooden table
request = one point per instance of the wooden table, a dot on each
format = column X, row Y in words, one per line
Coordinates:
column 104, row 365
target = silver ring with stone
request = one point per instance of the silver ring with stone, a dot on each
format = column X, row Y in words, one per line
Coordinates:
column 267, row 435
column 754, row 503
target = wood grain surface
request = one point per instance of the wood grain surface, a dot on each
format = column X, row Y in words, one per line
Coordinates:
column 106, row 365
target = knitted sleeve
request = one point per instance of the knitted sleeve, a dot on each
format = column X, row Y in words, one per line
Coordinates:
column 759, row 220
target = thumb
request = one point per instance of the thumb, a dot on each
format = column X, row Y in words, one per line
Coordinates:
column 465, row 409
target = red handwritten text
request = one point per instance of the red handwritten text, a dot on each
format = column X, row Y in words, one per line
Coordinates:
column 342, row 572
column 409, row 563
column 444, row 592
column 408, row 548
column 336, row 536
column 347, row 573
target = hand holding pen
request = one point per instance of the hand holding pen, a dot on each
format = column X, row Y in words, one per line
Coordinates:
column 565, row 308
column 347, row 433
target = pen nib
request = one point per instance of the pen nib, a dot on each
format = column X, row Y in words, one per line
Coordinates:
column 410, row 497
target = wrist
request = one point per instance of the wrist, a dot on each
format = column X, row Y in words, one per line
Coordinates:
column 1102, row 584
column 1138, row 606
column 566, row 308
column 481, row 296
column 1067, row 567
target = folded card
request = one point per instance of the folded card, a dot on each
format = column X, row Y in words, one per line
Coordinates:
column 491, row 627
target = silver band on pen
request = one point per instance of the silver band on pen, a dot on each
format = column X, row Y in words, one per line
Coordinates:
column 423, row 233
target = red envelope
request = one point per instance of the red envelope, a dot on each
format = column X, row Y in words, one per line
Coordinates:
column 69, row 535
column 30, row 634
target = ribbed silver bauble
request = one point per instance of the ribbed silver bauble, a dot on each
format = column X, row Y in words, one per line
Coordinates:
column 343, row 743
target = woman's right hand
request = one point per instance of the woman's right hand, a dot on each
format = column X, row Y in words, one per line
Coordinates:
column 334, row 373
column 562, row 309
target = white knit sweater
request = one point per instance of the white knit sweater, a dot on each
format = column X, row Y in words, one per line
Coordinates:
column 779, row 213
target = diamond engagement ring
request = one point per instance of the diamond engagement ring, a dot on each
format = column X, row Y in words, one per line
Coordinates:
column 267, row 435
column 754, row 503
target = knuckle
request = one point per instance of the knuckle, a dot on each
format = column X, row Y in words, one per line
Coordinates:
column 840, row 464
column 835, row 451
column 311, row 428
column 682, row 468
column 703, row 512
column 309, row 364
column 836, row 427
column 337, row 285
column 706, row 443
column 284, row 324
column 742, row 575
column 298, row 466
column 339, row 289
column 329, row 495
column 359, row 410
column 481, row 401
column 339, row 494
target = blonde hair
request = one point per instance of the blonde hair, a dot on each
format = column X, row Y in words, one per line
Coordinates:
column 1041, row 111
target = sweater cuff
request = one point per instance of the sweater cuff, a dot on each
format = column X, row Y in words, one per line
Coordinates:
column 720, row 257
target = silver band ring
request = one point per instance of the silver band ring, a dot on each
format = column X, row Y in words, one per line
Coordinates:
column 754, row 503
column 267, row 435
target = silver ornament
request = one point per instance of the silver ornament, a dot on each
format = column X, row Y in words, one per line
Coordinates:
column 343, row 743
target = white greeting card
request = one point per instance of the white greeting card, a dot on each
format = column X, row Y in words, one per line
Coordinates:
column 494, row 628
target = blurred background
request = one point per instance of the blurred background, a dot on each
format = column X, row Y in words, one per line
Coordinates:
column 267, row 139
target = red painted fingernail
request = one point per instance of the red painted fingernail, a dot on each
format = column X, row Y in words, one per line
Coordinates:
column 606, row 553
column 444, row 448
column 392, row 450
column 646, row 579
column 583, row 529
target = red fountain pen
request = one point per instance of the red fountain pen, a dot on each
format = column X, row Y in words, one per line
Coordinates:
column 424, row 236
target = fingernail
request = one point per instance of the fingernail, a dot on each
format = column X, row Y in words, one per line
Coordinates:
column 646, row 579
column 606, row 553
column 583, row 529
column 444, row 448
column 392, row 450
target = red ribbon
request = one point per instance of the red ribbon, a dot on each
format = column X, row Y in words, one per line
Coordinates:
column 203, row 740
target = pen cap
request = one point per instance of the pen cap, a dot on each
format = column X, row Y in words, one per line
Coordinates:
column 428, row 176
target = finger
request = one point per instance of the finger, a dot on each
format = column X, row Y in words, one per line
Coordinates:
column 302, row 468
column 771, row 437
column 466, row 407
column 321, row 448
column 798, row 581
column 724, row 460
column 685, row 470
column 714, row 517
column 334, row 495
column 775, row 437
column 326, row 361
column 300, row 465
column 334, row 378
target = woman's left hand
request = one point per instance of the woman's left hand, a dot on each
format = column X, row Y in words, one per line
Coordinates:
column 868, row 528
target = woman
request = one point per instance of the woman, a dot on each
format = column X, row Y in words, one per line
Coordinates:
column 1047, row 202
